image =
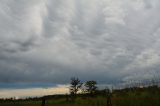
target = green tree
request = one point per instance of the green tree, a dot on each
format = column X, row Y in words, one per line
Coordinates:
column 91, row 86
column 76, row 85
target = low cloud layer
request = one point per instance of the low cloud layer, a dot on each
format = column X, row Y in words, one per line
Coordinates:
column 49, row 41
column 33, row 92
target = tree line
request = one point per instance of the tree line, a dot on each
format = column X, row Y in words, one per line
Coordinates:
column 87, row 87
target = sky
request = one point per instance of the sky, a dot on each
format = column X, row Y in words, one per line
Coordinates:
column 43, row 43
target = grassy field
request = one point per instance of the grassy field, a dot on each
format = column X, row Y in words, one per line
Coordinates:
column 149, row 96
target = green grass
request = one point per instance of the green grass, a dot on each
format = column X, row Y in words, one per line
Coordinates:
column 137, row 97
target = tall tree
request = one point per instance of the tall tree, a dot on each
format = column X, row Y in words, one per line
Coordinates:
column 91, row 86
column 76, row 84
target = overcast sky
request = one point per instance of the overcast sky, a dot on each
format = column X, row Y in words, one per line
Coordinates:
column 50, row 41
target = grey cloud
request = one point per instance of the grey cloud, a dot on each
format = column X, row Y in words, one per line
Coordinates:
column 50, row 41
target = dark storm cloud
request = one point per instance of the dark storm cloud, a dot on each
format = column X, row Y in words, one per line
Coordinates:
column 52, row 40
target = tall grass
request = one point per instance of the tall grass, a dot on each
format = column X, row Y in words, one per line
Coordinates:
column 127, row 97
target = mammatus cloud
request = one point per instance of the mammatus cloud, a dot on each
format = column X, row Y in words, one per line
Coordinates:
column 109, row 41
